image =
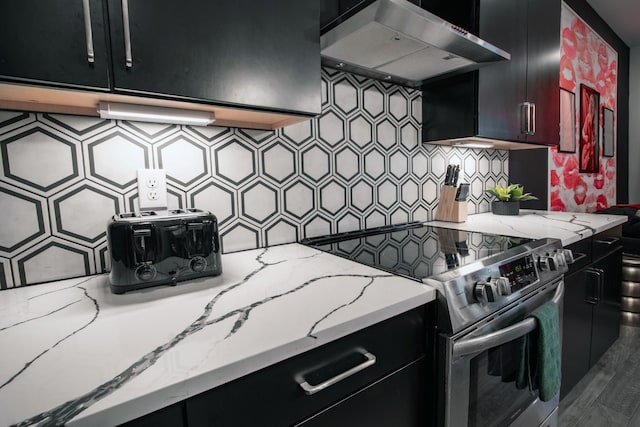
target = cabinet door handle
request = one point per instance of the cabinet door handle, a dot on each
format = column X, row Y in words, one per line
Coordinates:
column 127, row 34
column 313, row 389
column 527, row 118
column 88, row 31
column 579, row 256
column 595, row 294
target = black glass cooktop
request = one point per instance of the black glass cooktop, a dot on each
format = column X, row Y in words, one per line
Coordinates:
column 414, row 250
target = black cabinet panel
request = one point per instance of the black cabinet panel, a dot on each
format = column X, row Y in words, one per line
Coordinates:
column 273, row 396
column 607, row 312
column 592, row 306
column 502, row 86
column 396, row 400
column 530, row 31
column 46, row 42
column 543, row 69
column 261, row 54
column 171, row 416
column 576, row 331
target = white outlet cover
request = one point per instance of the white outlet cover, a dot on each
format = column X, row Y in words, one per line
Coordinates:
column 152, row 197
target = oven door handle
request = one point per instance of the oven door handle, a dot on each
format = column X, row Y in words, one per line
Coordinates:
column 502, row 336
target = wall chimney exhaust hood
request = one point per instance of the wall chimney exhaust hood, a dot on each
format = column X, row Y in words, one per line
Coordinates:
column 398, row 41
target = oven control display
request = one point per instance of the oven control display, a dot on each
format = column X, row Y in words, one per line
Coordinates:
column 520, row 272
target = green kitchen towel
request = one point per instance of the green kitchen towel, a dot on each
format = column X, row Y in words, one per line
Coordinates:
column 539, row 354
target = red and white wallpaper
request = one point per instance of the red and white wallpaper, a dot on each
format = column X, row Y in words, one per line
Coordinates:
column 585, row 59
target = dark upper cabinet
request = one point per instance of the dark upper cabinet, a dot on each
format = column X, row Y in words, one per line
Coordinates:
column 256, row 53
column 50, row 42
column 516, row 100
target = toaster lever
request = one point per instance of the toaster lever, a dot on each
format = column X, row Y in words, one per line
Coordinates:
column 142, row 232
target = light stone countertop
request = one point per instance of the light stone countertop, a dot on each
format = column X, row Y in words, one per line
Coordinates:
column 75, row 353
column 570, row 227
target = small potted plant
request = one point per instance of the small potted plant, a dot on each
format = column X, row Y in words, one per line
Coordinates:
column 509, row 199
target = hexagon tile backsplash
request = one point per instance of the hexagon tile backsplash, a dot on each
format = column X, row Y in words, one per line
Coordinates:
column 359, row 164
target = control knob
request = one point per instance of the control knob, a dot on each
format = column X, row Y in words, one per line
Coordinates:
column 550, row 262
column 486, row 291
column 198, row 264
column 145, row 272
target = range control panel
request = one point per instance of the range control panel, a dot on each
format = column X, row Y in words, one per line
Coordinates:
column 520, row 272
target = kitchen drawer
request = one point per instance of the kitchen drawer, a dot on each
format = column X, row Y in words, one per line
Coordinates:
column 606, row 242
column 273, row 395
column 581, row 254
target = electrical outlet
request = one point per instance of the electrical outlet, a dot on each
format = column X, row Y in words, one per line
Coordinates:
column 152, row 189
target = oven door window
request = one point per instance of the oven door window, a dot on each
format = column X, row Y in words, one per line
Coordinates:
column 494, row 399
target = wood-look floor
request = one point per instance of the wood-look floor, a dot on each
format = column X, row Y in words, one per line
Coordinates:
column 609, row 395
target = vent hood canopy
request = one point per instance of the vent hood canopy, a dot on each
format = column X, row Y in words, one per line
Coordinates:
column 398, row 41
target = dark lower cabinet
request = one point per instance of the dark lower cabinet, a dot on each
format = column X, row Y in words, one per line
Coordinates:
column 396, row 400
column 592, row 306
column 395, row 390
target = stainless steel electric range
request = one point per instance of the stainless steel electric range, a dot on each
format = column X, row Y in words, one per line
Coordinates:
column 487, row 286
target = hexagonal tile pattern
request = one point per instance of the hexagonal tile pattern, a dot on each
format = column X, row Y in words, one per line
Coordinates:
column 80, row 127
column 373, row 101
column 150, row 131
column 362, row 196
column 81, row 212
column 387, row 135
column 360, row 131
column 374, row 218
column 398, row 105
column 345, row 96
column 23, row 218
column 374, row 164
column 398, row 164
column 185, row 160
column 387, row 194
column 40, row 158
column 281, row 232
column 10, row 120
column 259, row 202
column 131, row 154
column 409, row 192
column 299, row 200
column 216, row 199
column 52, row 260
column 416, row 109
column 315, row 163
column 347, row 164
column 278, row 162
column 317, row 226
column 419, row 165
column 333, row 197
column 348, row 222
column 330, row 128
column 234, row 162
column 239, row 237
column 409, row 136
column 208, row 133
column 359, row 164
column 299, row 133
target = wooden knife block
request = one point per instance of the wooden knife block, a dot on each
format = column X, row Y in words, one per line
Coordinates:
column 448, row 209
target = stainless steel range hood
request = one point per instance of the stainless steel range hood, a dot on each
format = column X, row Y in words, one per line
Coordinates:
column 396, row 40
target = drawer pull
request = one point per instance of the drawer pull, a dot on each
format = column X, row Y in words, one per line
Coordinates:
column 608, row 240
column 313, row 389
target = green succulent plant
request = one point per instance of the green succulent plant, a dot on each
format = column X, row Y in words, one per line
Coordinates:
column 511, row 193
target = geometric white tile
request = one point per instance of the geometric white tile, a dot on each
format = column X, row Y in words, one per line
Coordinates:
column 212, row 197
column 234, row 162
column 184, row 160
column 332, row 197
column 259, row 202
column 278, row 162
column 386, row 134
column 239, row 237
column 298, row 200
column 374, row 164
column 101, row 155
column 40, row 157
column 315, row 163
column 347, row 163
column 22, row 219
column 281, row 232
column 360, row 131
column 50, row 260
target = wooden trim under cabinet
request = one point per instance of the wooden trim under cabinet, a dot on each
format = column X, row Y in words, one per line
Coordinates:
column 67, row 101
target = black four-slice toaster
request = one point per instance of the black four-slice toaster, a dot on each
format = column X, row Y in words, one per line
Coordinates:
column 151, row 248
